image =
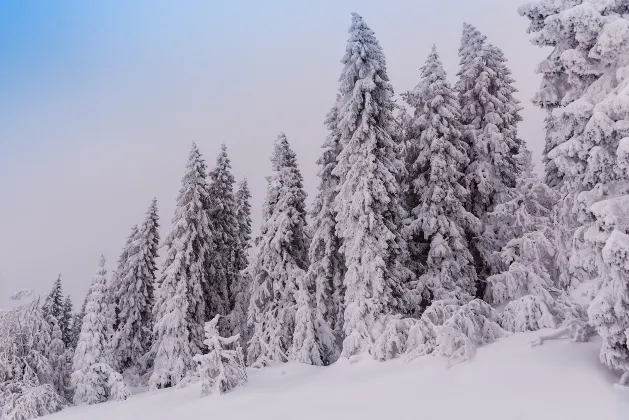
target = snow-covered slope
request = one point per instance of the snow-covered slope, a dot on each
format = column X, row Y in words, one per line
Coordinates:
column 507, row 380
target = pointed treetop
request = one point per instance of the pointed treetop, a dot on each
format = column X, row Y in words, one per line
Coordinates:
column 433, row 68
column 101, row 261
column 283, row 155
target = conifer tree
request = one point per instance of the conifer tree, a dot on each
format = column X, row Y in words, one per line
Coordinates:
column 439, row 222
column 368, row 209
column 280, row 260
column 585, row 87
column 93, row 347
column 59, row 363
column 77, row 323
column 222, row 368
column 53, row 304
column 66, row 322
column 305, row 347
column 223, row 213
column 179, row 310
column 114, row 282
column 133, row 293
column 327, row 267
column 26, row 370
column 241, row 262
column 489, row 114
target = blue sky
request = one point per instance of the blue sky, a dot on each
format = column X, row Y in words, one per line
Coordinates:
column 100, row 101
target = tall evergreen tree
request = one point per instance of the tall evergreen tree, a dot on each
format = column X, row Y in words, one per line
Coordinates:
column 223, row 213
column 77, row 323
column 59, row 363
column 241, row 262
column 368, row 208
column 114, row 283
column 93, row 347
column 243, row 215
column 133, row 293
column 327, row 267
column 585, row 87
column 280, row 261
column 439, row 221
column 66, row 322
column 489, row 114
column 53, row 304
column 180, row 308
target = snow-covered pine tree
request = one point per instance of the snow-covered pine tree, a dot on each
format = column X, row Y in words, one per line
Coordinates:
column 222, row 368
column 327, row 268
column 77, row 323
column 439, row 222
column 586, row 87
column 114, row 285
column 489, row 114
column 221, row 270
column 59, row 363
column 134, row 294
column 66, row 322
column 241, row 262
column 526, row 261
column 280, row 260
column 180, row 308
column 26, row 373
column 306, row 345
column 53, row 304
column 368, row 208
column 93, row 348
column 574, row 80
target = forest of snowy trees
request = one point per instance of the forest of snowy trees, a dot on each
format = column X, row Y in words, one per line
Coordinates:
column 430, row 233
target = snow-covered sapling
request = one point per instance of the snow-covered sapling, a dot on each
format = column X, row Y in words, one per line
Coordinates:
column 222, row 368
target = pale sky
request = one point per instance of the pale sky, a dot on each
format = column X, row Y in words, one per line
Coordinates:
column 101, row 100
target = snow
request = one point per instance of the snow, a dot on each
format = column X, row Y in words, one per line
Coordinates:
column 558, row 380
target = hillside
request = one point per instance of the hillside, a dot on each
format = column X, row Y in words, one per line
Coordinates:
column 507, row 380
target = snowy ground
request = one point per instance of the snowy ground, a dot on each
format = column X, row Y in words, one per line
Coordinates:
column 507, row 380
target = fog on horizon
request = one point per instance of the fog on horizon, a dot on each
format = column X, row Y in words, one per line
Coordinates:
column 100, row 102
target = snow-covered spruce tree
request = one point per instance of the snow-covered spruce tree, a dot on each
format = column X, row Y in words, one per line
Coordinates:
column 66, row 322
column 368, row 206
column 221, row 271
column 222, row 368
column 59, row 363
column 609, row 311
column 241, row 292
column 489, row 114
column 134, row 294
column 577, row 75
column 114, row 285
column 77, row 323
column 93, row 350
column 26, row 372
column 526, row 261
column 439, row 222
column 281, row 256
column 306, row 345
column 454, row 330
column 327, row 268
column 53, row 304
column 180, row 308
column 586, row 86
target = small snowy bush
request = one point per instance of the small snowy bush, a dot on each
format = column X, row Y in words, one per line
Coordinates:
column 21, row 401
column 221, row 369
column 528, row 313
column 454, row 331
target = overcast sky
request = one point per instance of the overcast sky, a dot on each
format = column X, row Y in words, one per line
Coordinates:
column 101, row 100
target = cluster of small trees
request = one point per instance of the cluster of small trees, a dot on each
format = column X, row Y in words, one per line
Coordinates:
column 427, row 219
